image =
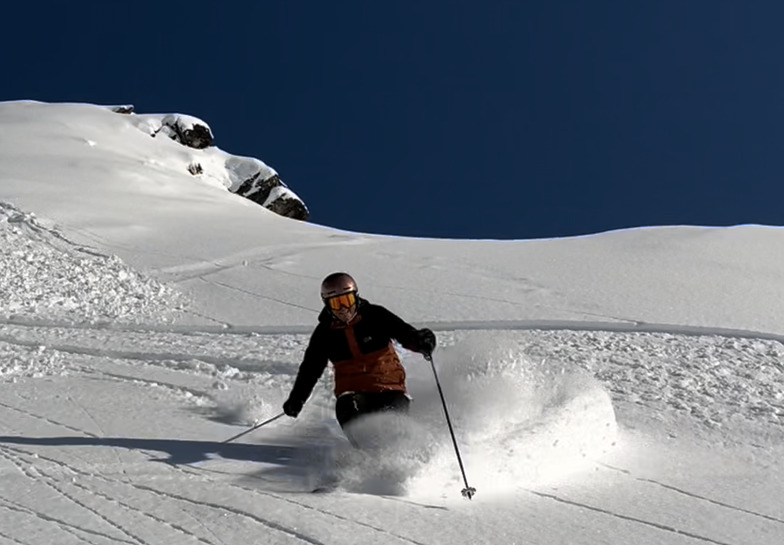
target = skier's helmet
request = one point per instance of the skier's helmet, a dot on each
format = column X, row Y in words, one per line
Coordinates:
column 339, row 293
column 337, row 284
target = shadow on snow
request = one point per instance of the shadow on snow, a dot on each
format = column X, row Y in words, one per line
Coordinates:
column 178, row 451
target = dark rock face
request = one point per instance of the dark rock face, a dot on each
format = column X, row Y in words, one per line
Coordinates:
column 274, row 195
column 198, row 137
column 125, row 109
column 187, row 131
column 290, row 208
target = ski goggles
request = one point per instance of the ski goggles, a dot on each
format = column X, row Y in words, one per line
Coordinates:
column 347, row 300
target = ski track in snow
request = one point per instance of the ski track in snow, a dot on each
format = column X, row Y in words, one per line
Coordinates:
column 716, row 377
column 116, row 327
column 129, row 536
column 609, row 356
column 663, row 527
column 694, row 495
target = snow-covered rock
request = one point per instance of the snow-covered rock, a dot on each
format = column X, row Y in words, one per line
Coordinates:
column 256, row 181
column 188, row 149
column 187, row 130
column 247, row 176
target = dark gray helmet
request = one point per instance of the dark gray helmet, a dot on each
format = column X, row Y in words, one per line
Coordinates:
column 337, row 284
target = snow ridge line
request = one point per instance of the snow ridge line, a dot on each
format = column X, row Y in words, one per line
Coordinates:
column 48, row 481
column 612, row 327
column 630, row 326
column 658, row 526
column 691, row 494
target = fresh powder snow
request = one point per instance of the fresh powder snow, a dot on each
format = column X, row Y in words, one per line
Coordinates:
column 622, row 387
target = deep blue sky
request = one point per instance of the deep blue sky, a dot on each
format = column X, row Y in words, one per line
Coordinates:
column 518, row 119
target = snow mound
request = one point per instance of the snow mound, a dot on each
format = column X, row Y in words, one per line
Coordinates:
column 46, row 278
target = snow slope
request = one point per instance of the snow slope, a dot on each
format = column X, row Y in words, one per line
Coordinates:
column 624, row 387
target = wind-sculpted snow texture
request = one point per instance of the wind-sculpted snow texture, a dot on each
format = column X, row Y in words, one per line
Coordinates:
column 581, row 416
column 717, row 380
column 87, row 411
column 113, row 435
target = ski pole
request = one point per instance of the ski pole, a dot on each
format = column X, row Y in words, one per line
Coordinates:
column 257, row 426
column 468, row 491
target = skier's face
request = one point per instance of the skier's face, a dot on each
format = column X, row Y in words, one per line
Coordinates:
column 343, row 307
column 345, row 315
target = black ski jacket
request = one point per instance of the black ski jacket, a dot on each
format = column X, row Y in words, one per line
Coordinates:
column 362, row 353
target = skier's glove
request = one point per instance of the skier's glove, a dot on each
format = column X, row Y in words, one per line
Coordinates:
column 292, row 407
column 426, row 342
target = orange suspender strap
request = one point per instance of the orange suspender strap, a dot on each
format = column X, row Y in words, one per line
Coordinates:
column 353, row 345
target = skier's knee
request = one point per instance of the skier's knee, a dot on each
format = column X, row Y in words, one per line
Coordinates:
column 349, row 406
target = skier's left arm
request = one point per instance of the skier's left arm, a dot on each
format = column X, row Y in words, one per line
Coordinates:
column 417, row 340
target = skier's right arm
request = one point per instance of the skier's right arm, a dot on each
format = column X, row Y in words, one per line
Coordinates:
column 313, row 365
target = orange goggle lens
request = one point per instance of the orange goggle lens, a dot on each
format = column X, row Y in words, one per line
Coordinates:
column 347, row 300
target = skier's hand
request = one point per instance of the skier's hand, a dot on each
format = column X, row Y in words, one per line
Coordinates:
column 292, row 407
column 426, row 342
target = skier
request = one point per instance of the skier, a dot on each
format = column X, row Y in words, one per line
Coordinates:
column 356, row 336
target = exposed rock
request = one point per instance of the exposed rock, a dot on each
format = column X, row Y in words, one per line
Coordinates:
column 256, row 181
column 188, row 131
column 290, row 207
column 198, row 137
column 125, row 109
column 274, row 195
column 244, row 176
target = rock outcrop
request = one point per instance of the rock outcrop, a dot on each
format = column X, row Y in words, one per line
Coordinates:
column 188, row 131
column 244, row 176
column 256, row 181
